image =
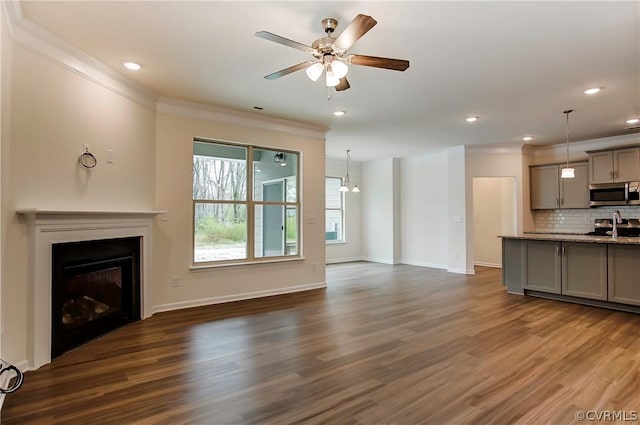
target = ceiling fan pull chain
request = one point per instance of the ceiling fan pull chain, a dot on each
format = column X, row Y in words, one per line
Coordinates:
column 328, row 93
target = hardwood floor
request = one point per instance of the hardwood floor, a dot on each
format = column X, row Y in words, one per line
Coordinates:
column 381, row 345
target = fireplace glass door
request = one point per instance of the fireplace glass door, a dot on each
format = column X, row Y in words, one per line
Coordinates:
column 95, row 289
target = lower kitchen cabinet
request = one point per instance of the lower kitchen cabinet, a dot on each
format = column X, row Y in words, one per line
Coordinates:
column 542, row 266
column 584, row 270
column 608, row 273
column 624, row 274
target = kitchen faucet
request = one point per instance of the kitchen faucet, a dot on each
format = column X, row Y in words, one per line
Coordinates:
column 617, row 219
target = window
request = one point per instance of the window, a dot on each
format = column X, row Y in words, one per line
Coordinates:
column 334, row 200
column 245, row 203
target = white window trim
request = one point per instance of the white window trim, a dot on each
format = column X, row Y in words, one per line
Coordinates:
column 343, row 214
column 250, row 203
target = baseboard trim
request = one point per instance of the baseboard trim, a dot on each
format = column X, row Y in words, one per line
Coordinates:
column 380, row 260
column 343, row 260
column 422, row 264
column 483, row 264
column 237, row 297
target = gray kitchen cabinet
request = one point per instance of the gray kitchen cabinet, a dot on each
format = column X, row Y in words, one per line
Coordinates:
column 584, row 270
column 624, row 274
column 549, row 191
column 513, row 265
column 618, row 165
column 542, row 267
column 544, row 187
column 574, row 193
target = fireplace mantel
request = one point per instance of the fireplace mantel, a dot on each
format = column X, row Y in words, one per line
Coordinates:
column 47, row 227
column 39, row 214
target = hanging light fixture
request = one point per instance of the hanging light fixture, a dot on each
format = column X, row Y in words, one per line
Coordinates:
column 345, row 183
column 568, row 172
column 280, row 158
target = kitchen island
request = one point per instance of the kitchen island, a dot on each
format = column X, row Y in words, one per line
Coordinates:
column 595, row 270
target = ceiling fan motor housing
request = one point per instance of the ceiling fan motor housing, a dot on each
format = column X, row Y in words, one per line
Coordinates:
column 329, row 25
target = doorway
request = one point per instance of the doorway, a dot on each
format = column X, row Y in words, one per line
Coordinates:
column 494, row 213
column 273, row 231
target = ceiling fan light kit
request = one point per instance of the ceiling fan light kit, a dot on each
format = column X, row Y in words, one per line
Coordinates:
column 330, row 53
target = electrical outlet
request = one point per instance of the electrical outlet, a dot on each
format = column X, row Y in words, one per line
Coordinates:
column 175, row 281
column 109, row 156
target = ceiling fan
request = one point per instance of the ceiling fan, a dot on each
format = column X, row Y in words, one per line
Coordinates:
column 330, row 53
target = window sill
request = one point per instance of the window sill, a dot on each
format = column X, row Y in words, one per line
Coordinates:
column 205, row 267
column 336, row 242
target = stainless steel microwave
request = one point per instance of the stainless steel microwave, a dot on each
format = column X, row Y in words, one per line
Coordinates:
column 604, row 194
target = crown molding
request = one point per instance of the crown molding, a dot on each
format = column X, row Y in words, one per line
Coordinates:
column 28, row 35
column 583, row 146
column 212, row 113
column 495, row 149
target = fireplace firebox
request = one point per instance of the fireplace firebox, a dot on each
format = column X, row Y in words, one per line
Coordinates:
column 95, row 289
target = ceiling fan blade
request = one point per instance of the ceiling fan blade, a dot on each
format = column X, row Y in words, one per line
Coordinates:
column 360, row 25
column 278, row 39
column 289, row 70
column 386, row 63
column 343, row 85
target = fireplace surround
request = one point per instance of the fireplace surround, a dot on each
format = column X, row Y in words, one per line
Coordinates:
column 49, row 227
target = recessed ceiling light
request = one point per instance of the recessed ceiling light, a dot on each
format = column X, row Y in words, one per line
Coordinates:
column 593, row 90
column 132, row 66
column 471, row 119
column 633, row 121
column 527, row 138
column 339, row 113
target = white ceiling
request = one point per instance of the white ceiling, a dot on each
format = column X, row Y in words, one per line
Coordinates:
column 516, row 65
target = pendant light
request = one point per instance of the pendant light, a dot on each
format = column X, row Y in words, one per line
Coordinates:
column 568, row 172
column 345, row 184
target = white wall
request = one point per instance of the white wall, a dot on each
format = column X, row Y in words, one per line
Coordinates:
column 493, row 215
column 351, row 248
column 173, row 238
column 53, row 112
column 458, row 220
column 380, row 231
column 511, row 163
column 424, row 206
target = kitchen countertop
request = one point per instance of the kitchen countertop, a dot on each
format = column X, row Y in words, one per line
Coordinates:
column 621, row 240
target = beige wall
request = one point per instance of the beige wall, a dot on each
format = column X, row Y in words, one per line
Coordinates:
column 53, row 112
column 5, row 98
column 172, row 238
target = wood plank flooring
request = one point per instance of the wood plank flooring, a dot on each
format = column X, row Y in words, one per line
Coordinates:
column 381, row 345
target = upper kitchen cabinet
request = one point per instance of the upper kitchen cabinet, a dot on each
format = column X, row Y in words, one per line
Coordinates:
column 618, row 165
column 550, row 191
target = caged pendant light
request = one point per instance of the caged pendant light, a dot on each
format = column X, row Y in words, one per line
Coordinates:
column 345, row 184
column 568, row 172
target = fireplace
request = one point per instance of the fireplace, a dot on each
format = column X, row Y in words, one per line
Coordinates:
column 48, row 228
column 95, row 289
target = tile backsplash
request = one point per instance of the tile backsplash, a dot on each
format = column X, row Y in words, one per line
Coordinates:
column 577, row 220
